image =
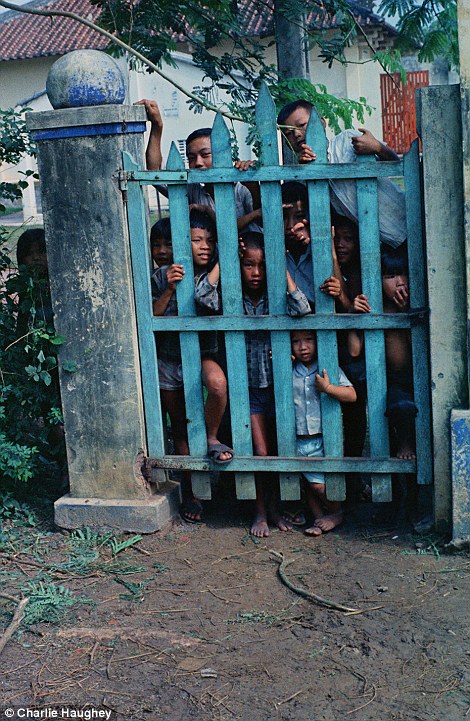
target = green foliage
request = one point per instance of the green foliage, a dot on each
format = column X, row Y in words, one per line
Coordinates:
column 30, row 415
column 29, row 391
column 14, row 143
column 233, row 64
column 48, row 602
column 429, row 26
column 18, row 513
column 118, row 547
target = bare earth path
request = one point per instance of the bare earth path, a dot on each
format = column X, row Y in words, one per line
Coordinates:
column 206, row 630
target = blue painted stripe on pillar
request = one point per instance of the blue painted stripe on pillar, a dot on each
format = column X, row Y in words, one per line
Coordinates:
column 81, row 131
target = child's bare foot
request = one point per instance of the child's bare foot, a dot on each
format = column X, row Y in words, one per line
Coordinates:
column 259, row 527
column 313, row 531
column 281, row 522
column 407, row 452
column 327, row 523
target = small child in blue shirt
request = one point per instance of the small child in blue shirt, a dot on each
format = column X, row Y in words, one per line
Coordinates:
column 308, row 383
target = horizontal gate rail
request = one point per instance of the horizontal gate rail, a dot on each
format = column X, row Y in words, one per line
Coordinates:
column 339, row 321
column 292, row 465
column 338, row 171
column 233, row 323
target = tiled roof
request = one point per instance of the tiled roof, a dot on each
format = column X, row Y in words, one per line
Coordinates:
column 257, row 17
column 24, row 36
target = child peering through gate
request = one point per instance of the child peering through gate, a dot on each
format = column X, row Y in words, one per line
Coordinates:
column 199, row 155
column 164, row 282
column 259, row 363
column 401, row 408
column 345, row 148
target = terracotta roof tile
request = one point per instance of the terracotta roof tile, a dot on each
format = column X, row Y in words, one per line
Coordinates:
column 24, row 36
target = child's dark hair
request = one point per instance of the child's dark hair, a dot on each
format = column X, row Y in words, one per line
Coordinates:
column 293, row 192
column 200, row 219
column 289, row 109
column 161, row 229
column 342, row 220
column 394, row 261
column 252, row 239
column 26, row 240
column 200, row 133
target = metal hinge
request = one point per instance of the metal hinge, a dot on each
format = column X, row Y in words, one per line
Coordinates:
column 124, row 176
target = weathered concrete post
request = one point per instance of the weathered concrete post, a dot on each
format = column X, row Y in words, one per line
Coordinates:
column 79, row 157
column 460, row 419
column 440, row 129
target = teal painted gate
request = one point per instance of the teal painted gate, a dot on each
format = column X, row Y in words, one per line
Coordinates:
column 325, row 321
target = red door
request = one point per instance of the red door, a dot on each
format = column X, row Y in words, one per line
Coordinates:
column 398, row 108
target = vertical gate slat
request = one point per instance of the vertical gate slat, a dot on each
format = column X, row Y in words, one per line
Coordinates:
column 140, row 254
column 419, row 335
column 271, row 204
column 227, row 235
column 189, row 341
column 320, row 231
column 368, row 215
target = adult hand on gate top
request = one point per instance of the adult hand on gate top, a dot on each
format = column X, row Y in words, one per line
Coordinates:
column 361, row 304
column 153, row 114
column 306, row 154
column 366, row 144
column 174, row 274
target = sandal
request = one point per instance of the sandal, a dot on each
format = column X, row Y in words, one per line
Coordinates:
column 215, row 450
column 190, row 508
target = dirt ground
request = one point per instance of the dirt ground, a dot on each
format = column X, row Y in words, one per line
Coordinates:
column 205, row 629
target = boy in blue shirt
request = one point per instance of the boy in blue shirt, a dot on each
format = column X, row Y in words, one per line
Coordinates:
column 308, row 383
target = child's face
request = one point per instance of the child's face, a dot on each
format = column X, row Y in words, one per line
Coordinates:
column 345, row 237
column 297, row 122
column 295, row 213
column 253, row 270
column 36, row 256
column 199, row 153
column 304, row 346
column 162, row 251
column 296, row 128
column 203, row 246
column 393, row 284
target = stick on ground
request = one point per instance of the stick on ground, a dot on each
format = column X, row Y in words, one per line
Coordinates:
column 16, row 620
column 283, row 563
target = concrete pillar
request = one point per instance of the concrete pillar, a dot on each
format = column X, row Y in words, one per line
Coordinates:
column 461, row 419
column 440, row 130
column 79, row 157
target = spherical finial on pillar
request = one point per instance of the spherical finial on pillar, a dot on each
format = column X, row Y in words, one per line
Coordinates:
column 83, row 78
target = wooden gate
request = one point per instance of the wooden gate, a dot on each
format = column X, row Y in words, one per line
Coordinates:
column 398, row 108
column 325, row 321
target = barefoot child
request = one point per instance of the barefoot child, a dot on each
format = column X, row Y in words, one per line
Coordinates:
column 401, row 408
column 260, row 370
column 308, row 384
column 164, row 282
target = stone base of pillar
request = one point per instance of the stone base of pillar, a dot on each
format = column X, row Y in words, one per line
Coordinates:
column 460, row 438
column 120, row 515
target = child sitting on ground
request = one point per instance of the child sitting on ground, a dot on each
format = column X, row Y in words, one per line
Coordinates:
column 308, row 384
column 260, row 371
column 164, row 282
column 160, row 243
column 401, row 408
